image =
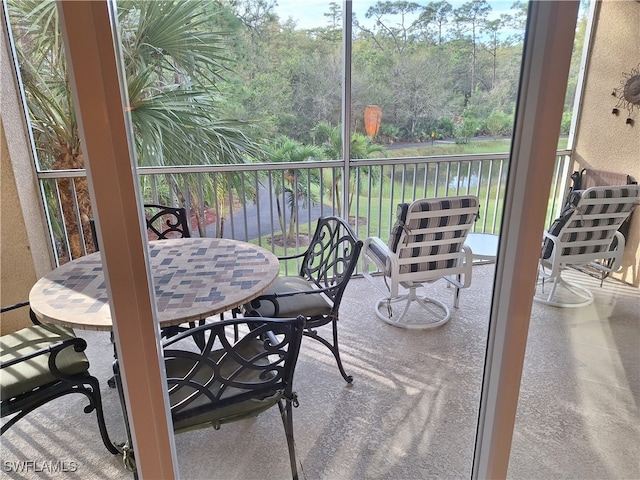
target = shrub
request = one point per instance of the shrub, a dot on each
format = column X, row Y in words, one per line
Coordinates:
column 565, row 125
column 466, row 130
column 499, row 123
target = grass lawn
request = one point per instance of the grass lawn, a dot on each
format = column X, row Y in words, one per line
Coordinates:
column 473, row 147
column 376, row 208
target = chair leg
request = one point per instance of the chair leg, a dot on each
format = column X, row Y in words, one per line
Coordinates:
column 126, row 449
column 96, row 399
column 456, row 294
column 111, row 382
column 90, row 388
column 199, row 340
column 234, row 314
column 333, row 347
column 287, row 420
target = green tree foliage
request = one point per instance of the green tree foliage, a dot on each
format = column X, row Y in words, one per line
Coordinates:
column 389, row 35
column 329, row 139
column 434, row 18
column 211, row 77
column 293, row 186
column 467, row 129
column 174, row 63
column 420, row 61
column 499, row 123
column 471, row 18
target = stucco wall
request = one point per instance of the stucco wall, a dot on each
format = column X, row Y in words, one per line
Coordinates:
column 25, row 254
column 604, row 141
column 17, row 273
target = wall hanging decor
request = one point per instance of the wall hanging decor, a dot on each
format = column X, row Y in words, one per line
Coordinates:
column 628, row 95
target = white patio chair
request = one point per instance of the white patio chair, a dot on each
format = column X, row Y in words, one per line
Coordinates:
column 425, row 245
column 585, row 234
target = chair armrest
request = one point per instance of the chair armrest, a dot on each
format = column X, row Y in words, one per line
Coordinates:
column 273, row 297
column 376, row 252
column 468, row 261
column 615, row 255
column 8, row 308
column 617, row 262
column 53, row 350
column 291, row 257
column 549, row 261
column 554, row 240
column 15, row 306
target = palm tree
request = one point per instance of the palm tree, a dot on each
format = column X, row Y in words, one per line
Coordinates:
column 173, row 61
column 293, row 184
column 361, row 147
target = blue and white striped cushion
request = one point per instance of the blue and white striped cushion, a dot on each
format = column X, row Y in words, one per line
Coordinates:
column 586, row 218
column 431, row 236
column 587, row 226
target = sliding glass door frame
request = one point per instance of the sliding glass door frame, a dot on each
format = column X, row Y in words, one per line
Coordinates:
column 543, row 81
column 545, row 67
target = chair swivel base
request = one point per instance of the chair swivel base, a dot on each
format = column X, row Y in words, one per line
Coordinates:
column 436, row 317
column 562, row 294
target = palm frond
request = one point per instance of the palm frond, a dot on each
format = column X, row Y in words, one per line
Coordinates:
column 176, row 36
column 168, row 47
column 175, row 128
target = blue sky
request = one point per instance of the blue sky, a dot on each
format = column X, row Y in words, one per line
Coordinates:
column 310, row 13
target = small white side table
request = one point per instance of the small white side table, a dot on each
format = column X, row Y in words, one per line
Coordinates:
column 484, row 246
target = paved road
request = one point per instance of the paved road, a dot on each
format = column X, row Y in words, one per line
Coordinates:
column 234, row 227
column 260, row 214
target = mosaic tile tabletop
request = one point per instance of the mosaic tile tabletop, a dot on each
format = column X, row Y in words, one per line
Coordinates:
column 193, row 278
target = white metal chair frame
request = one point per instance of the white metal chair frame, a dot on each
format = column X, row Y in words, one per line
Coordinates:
column 583, row 236
column 426, row 245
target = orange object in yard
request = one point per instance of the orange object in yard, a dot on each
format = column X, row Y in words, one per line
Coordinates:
column 372, row 119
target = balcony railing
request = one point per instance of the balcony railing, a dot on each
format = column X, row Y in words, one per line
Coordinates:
column 254, row 203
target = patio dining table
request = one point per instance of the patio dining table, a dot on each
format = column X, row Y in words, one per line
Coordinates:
column 194, row 278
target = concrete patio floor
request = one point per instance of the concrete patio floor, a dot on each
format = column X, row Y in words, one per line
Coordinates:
column 412, row 410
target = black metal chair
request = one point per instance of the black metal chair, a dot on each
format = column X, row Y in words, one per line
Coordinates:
column 166, row 222
column 327, row 265
column 163, row 222
column 43, row 362
column 231, row 378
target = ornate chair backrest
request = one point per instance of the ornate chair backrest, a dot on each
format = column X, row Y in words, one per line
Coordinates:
column 429, row 234
column 165, row 222
column 331, row 257
column 252, row 372
column 587, row 225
